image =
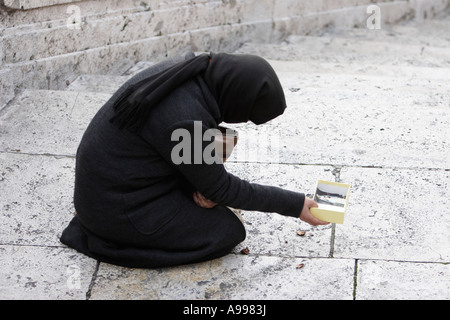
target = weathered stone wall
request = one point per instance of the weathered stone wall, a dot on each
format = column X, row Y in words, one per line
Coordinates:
column 48, row 43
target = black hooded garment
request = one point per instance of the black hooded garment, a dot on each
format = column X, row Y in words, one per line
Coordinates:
column 134, row 204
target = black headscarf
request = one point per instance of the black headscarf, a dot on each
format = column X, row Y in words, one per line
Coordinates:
column 245, row 87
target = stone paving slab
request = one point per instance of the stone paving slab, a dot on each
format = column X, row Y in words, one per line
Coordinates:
column 307, row 67
column 392, row 280
column 368, row 128
column 106, row 83
column 347, row 49
column 231, row 277
column 44, row 273
column 425, row 33
column 36, row 198
column 48, row 122
column 97, row 83
column 396, row 214
column 273, row 234
column 400, row 88
column 373, row 118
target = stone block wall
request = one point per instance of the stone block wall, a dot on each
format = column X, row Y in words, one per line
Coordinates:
column 46, row 44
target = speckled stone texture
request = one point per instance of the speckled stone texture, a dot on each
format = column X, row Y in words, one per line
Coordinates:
column 365, row 107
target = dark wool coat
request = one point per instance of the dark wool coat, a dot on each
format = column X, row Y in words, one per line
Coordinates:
column 134, row 205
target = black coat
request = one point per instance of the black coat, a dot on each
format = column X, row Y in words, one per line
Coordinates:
column 134, row 205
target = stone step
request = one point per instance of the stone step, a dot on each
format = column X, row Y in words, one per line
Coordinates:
column 341, row 68
column 231, row 277
column 118, row 24
column 383, row 200
column 275, row 278
column 43, row 273
column 45, row 185
column 397, row 123
column 352, row 52
column 366, row 114
column 368, row 121
column 302, row 74
column 106, row 83
column 356, row 114
column 301, row 77
column 37, row 198
column 409, row 32
column 97, row 83
column 367, row 128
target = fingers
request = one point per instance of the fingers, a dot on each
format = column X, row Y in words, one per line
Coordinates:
column 307, row 216
column 310, row 203
column 316, row 222
column 196, row 199
column 310, row 219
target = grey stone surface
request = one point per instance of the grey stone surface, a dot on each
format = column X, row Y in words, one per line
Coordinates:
column 379, row 96
column 44, row 273
column 36, row 202
column 53, row 41
column 396, row 280
column 367, row 108
column 48, row 122
column 30, row 4
column 97, row 83
column 272, row 234
column 367, row 121
column 396, row 214
column 234, row 277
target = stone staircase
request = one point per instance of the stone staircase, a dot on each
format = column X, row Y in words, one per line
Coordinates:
column 366, row 107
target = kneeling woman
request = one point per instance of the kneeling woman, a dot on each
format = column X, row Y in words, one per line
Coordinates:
column 136, row 206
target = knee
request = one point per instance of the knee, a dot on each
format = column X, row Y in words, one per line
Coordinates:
column 233, row 230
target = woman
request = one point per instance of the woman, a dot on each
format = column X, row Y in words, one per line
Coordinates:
column 137, row 207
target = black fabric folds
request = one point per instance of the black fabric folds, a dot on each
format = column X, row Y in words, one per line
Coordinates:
column 133, row 106
column 245, row 87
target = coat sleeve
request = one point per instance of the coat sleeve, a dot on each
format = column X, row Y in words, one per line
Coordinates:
column 184, row 147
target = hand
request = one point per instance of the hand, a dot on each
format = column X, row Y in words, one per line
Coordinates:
column 201, row 201
column 307, row 216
